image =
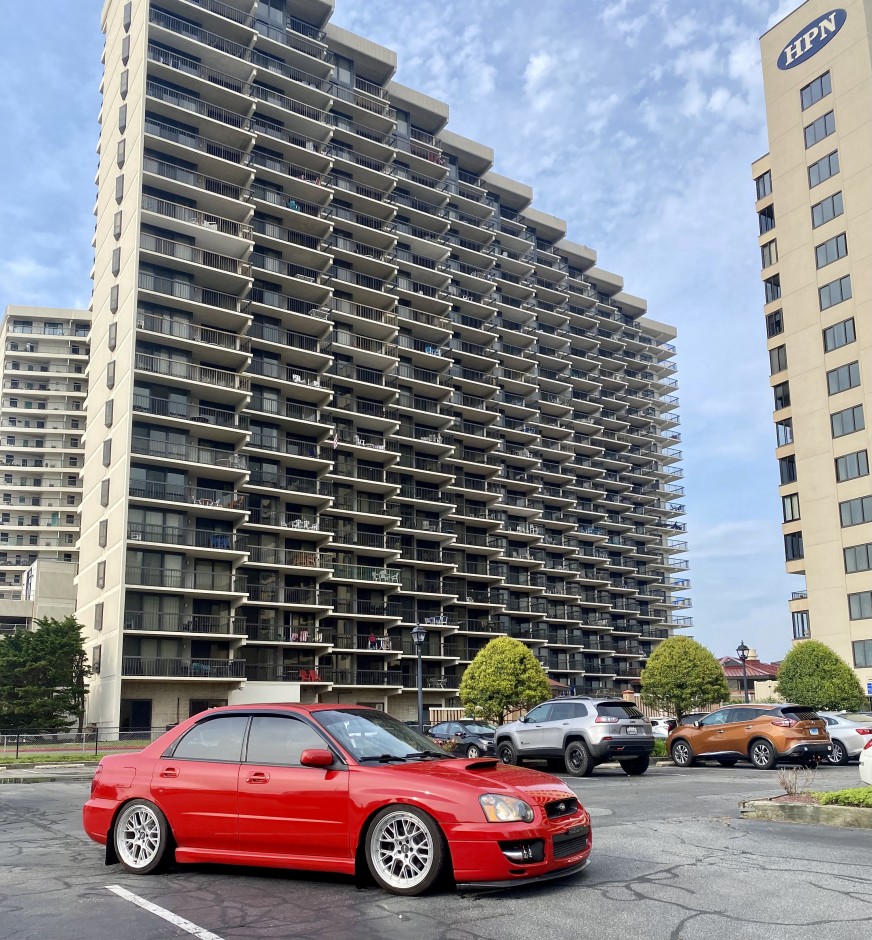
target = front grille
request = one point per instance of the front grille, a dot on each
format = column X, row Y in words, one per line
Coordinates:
column 571, row 842
column 557, row 808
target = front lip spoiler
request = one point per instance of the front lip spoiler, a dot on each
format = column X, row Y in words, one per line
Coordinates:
column 513, row 882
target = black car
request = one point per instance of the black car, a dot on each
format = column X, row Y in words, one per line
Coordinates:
column 471, row 738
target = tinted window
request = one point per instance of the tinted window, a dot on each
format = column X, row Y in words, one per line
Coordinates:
column 800, row 713
column 278, row 740
column 476, row 727
column 618, row 710
column 743, row 714
column 561, row 711
column 440, row 729
column 715, row 718
column 540, row 713
column 218, row 739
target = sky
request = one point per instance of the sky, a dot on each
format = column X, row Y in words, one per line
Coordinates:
column 636, row 121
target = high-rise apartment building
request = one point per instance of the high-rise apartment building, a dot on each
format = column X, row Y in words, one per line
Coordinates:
column 42, row 415
column 814, row 204
column 346, row 380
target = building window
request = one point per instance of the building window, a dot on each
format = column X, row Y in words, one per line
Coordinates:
column 801, row 628
column 835, row 292
column 814, row 91
column 781, row 393
column 107, row 413
column 823, row 169
column 769, row 253
column 862, row 648
column 774, row 323
column 860, row 608
column 110, row 374
column 858, row 558
column 843, row 378
column 766, row 218
column 98, row 615
column 827, row 209
column 839, row 334
column 119, row 187
column 104, row 492
column 855, row 511
column 101, row 574
column 764, row 185
column 852, row 466
column 819, row 129
column 784, row 432
column 103, row 533
column 97, row 659
column 790, row 507
column 793, row 546
column 787, row 469
column 112, row 336
column 777, row 359
column 847, row 421
column 831, row 250
column 772, row 287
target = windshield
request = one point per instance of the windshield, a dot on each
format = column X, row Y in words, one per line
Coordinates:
column 373, row 735
column 862, row 719
column 472, row 727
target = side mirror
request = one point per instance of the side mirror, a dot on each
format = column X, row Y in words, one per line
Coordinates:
column 316, row 757
column 461, row 734
column 698, row 724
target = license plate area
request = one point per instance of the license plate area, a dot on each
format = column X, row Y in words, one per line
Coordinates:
column 632, row 729
column 814, row 731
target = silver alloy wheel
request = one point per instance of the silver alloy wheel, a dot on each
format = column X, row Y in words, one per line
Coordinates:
column 401, row 850
column 138, row 836
column 761, row 754
column 837, row 755
column 681, row 754
column 472, row 751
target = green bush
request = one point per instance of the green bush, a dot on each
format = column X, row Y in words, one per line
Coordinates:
column 659, row 748
column 855, row 796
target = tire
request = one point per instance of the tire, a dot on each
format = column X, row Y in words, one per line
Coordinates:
column 682, row 754
column 636, row 766
column 728, row 761
column 405, row 850
column 473, row 751
column 141, row 838
column 839, row 754
column 506, row 752
column 578, row 759
column 762, row 754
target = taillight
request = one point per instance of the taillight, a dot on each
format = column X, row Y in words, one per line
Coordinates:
column 784, row 722
column 864, row 730
column 867, row 745
column 606, row 720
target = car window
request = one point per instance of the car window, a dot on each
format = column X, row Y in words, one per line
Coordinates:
column 562, row 711
column 828, row 720
column 217, row 739
column 439, row 729
column 743, row 714
column 540, row 713
column 715, row 718
column 474, row 727
column 274, row 739
column 618, row 710
column 456, row 728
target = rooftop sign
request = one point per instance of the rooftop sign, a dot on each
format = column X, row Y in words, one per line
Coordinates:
column 811, row 39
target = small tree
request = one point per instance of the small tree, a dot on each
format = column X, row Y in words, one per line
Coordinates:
column 682, row 676
column 42, row 676
column 503, row 678
column 814, row 676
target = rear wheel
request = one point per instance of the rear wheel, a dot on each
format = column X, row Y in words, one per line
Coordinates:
column 405, row 850
column 839, row 754
column 506, row 752
column 636, row 766
column 682, row 754
column 142, row 838
column 728, row 761
column 763, row 755
column 578, row 759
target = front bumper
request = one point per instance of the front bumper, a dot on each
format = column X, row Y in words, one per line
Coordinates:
column 534, row 879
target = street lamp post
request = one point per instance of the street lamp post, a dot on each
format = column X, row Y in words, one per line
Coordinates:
column 419, row 634
column 742, row 652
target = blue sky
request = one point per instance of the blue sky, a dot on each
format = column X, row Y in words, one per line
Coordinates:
column 635, row 120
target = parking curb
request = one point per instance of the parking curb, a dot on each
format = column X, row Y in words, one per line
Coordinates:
column 809, row 814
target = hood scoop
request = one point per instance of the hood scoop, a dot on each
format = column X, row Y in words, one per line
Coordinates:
column 482, row 763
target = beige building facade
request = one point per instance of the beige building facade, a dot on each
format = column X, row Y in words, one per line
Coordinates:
column 345, row 380
column 814, row 206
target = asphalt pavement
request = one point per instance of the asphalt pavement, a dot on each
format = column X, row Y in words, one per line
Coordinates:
column 671, row 860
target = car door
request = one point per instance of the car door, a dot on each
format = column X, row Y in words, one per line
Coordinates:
column 195, row 782
column 286, row 809
column 532, row 730
column 734, row 733
column 706, row 739
column 558, row 723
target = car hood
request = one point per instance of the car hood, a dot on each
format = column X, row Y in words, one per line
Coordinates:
column 486, row 774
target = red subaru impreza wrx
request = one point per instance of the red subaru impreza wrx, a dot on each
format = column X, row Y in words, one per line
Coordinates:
column 333, row 788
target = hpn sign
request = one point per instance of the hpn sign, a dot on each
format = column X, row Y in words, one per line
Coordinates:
column 811, row 39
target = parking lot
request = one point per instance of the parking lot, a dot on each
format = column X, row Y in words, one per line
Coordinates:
column 671, row 860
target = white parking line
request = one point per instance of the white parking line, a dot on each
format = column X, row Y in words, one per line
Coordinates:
column 200, row 932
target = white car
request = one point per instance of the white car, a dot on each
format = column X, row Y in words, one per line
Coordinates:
column 662, row 726
column 866, row 764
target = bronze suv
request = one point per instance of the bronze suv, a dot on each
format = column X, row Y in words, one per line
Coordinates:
column 761, row 734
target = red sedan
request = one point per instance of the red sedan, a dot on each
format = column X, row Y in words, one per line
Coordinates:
column 332, row 788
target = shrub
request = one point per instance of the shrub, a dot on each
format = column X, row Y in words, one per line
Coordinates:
column 855, row 796
column 814, row 676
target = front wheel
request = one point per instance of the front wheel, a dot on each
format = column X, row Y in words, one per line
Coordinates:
column 763, row 755
column 838, row 755
column 472, row 751
column 141, row 837
column 682, row 755
column 578, row 759
column 405, row 850
column 636, row 766
column 506, row 752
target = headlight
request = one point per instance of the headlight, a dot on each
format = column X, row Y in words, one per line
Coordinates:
column 498, row 809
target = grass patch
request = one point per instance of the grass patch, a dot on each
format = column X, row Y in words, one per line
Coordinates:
column 854, row 796
column 24, row 760
column 659, row 751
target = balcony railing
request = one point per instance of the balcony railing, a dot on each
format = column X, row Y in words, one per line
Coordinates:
column 199, row 413
column 168, row 450
column 174, row 578
column 366, row 573
column 182, row 329
column 183, row 290
column 289, row 557
column 185, row 252
column 196, row 538
column 178, row 668
column 179, row 369
column 198, row 495
column 184, row 623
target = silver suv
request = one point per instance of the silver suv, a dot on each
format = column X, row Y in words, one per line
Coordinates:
column 580, row 732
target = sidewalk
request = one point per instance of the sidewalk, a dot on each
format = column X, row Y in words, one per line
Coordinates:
column 46, row 773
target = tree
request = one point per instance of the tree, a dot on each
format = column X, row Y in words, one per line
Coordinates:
column 503, row 678
column 42, row 676
column 814, row 676
column 683, row 676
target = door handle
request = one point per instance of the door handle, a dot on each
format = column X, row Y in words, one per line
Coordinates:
column 170, row 772
column 721, row 731
column 258, row 777
column 565, row 723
